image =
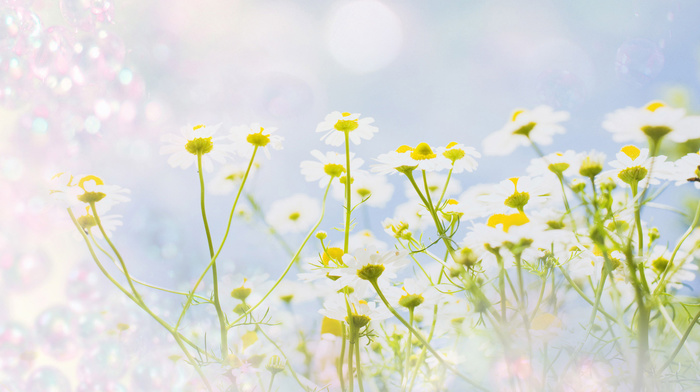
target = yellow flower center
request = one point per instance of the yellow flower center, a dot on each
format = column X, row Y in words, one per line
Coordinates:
column 422, row 152
column 652, row 106
column 199, row 146
column 196, row 127
column 332, row 253
column 346, row 125
column 258, row 139
column 631, row 151
column 98, row 181
column 294, row 216
column 507, row 220
column 403, row 149
column 333, row 169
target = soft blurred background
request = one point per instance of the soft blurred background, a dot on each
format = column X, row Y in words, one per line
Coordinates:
column 90, row 86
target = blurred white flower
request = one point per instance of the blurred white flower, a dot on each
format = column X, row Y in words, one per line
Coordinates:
column 537, row 125
column 654, row 121
column 293, row 214
column 375, row 190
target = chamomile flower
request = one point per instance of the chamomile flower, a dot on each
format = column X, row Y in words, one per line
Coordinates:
column 413, row 293
column 366, row 239
column 537, row 125
column 653, row 121
column 428, row 158
column 94, row 190
column 375, row 190
column 64, row 190
column 195, row 141
column 396, row 228
column 658, row 261
column 336, row 124
column 634, row 165
column 687, row 169
column 590, row 164
column 462, row 158
column 394, row 162
column 293, row 214
column 328, row 165
column 247, row 137
column 516, row 193
column 336, row 308
column 229, row 178
column 556, row 163
column 89, row 223
column 370, row 264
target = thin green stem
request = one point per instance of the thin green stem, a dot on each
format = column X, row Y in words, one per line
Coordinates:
column 221, row 246
column 342, row 357
column 142, row 283
column 669, row 265
column 291, row 263
column 137, row 300
column 348, row 193
column 351, row 347
column 681, row 343
column 444, row 189
column 289, row 364
column 215, row 277
column 358, row 366
column 409, row 342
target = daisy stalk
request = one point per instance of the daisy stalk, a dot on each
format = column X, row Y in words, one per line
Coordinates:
column 348, row 194
column 215, row 276
column 291, row 262
column 136, row 298
column 221, row 246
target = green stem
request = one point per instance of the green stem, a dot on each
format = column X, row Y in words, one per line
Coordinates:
column 422, row 339
column 272, row 379
column 444, row 189
column 669, row 265
column 348, row 194
column 137, row 300
column 142, row 283
column 215, row 277
column 638, row 220
column 358, row 364
column 681, row 343
column 291, row 263
column 342, row 357
column 221, row 246
column 351, row 348
column 407, row 367
column 116, row 252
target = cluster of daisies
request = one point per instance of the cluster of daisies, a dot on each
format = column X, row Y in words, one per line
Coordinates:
column 554, row 279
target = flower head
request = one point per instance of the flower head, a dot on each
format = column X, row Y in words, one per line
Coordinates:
column 337, row 124
column 248, row 137
column 293, row 214
column 653, row 121
column 197, row 141
column 328, row 165
column 526, row 126
column 634, row 165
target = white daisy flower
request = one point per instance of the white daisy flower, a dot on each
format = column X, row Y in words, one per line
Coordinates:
column 634, row 165
column 368, row 264
column 229, row 177
column 95, row 190
column 64, row 190
column 394, row 162
column 246, row 137
column 653, row 121
column 658, row 261
column 336, row 308
column 329, row 164
column 375, row 190
column 426, row 157
column 109, row 223
column 516, row 193
column 463, row 158
column 687, row 169
column 336, row 124
column 413, row 293
column 537, row 125
column 590, row 164
column 194, row 140
column 293, row 214
column 557, row 163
